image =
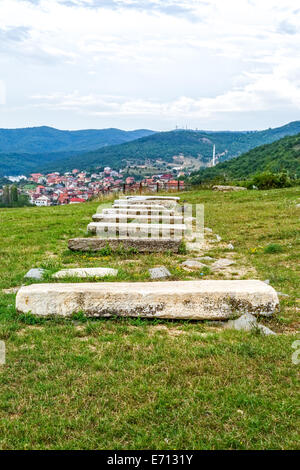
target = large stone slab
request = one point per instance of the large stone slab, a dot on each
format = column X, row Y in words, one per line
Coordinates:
column 141, row 205
column 195, row 300
column 142, row 245
column 133, row 210
column 155, row 198
column 167, row 201
column 85, row 272
column 136, row 229
column 155, row 218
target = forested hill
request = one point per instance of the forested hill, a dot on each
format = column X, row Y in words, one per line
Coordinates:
column 278, row 156
column 26, row 163
column 40, row 140
column 166, row 145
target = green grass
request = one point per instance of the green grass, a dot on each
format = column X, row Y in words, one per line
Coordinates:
column 137, row 384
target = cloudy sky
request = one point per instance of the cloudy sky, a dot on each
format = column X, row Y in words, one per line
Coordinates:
column 207, row 64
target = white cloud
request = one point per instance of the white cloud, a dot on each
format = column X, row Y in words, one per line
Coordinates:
column 2, row 92
column 168, row 59
column 263, row 92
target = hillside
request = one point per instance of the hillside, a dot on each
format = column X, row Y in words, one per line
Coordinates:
column 281, row 155
column 166, row 145
column 114, row 383
column 47, row 139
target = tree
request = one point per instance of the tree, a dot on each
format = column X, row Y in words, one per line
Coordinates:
column 6, row 195
column 14, row 194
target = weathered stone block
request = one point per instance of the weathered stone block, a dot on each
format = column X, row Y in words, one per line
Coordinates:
column 142, row 245
column 195, row 300
column 133, row 210
column 151, row 218
column 141, row 205
column 135, row 229
column 155, row 198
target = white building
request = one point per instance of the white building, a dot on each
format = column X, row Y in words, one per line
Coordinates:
column 42, row 201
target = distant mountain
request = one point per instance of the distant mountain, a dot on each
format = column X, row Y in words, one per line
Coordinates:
column 283, row 154
column 166, row 145
column 47, row 139
column 48, row 149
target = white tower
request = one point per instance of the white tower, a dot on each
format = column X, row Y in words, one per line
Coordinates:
column 214, row 156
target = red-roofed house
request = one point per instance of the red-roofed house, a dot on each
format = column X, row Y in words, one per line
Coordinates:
column 76, row 200
column 63, row 199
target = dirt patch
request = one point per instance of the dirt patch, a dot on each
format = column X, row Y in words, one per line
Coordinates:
column 175, row 332
column 51, row 255
column 170, row 331
column 79, row 327
column 29, row 329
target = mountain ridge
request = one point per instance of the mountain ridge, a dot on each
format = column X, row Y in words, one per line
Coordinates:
column 166, row 145
column 46, row 139
column 136, row 149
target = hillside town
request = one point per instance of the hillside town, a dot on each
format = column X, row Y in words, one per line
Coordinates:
column 77, row 186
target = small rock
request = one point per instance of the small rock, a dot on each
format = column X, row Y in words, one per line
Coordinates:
column 230, row 246
column 209, row 230
column 193, row 264
column 206, row 258
column 267, row 281
column 265, row 330
column 160, row 272
column 228, row 188
column 222, row 264
column 282, row 295
column 218, row 238
column 246, row 322
column 86, row 272
column 35, row 273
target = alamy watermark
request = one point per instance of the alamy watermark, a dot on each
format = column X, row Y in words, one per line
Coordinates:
column 162, row 219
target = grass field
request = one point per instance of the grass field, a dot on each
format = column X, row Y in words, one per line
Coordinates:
column 136, row 384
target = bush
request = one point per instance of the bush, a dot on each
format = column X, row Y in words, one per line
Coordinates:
column 273, row 248
column 106, row 251
column 182, row 248
column 269, row 180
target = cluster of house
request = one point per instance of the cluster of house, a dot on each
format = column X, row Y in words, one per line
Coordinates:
column 79, row 186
